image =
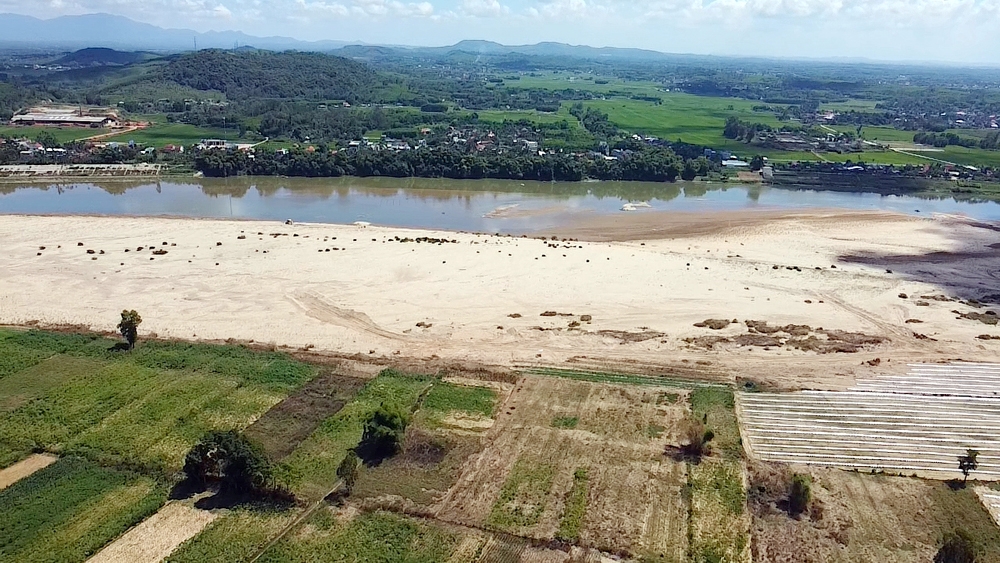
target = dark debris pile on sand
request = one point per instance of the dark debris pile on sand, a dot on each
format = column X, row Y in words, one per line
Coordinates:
column 760, row 334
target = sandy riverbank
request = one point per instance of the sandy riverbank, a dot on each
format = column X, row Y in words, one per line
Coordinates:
column 352, row 290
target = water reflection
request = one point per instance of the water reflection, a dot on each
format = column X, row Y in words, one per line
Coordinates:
column 484, row 205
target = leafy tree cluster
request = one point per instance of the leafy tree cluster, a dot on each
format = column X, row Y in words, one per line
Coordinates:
column 383, row 436
column 651, row 164
column 231, row 461
column 595, row 121
column 944, row 139
column 990, row 142
column 739, row 130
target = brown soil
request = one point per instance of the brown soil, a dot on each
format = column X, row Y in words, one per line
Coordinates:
column 634, row 502
column 292, row 420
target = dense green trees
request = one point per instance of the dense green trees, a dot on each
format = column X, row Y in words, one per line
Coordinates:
column 989, row 142
column 383, row 436
column 649, row 164
column 248, row 75
column 743, row 131
column 231, row 461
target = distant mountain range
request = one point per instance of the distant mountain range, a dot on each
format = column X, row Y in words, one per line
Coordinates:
column 117, row 32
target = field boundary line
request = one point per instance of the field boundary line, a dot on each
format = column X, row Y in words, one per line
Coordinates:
column 284, row 531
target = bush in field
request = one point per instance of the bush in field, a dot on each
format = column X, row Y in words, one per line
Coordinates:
column 956, row 548
column 383, row 436
column 129, row 327
column 695, row 438
column 232, row 461
column 348, row 471
column 799, row 494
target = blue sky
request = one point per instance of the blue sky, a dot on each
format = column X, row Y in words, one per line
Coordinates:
column 927, row 30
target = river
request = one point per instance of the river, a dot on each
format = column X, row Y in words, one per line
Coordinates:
column 478, row 205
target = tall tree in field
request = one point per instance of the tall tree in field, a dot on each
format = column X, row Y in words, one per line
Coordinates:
column 968, row 463
column 129, row 327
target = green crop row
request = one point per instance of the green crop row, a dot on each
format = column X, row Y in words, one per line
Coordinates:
column 69, row 510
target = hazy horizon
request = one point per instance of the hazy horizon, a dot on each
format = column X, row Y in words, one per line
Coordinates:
column 951, row 31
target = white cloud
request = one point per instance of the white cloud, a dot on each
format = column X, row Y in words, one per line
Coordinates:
column 483, row 8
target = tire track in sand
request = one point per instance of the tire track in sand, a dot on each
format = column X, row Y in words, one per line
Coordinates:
column 322, row 310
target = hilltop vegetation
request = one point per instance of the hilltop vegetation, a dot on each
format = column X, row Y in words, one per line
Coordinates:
column 98, row 56
column 247, row 75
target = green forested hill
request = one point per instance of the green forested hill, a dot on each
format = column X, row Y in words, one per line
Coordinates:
column 270, row 75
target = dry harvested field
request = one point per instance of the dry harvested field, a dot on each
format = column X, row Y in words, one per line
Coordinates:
column 548, row 430
column 158, row 536
column 918, row 423
column 862, row 517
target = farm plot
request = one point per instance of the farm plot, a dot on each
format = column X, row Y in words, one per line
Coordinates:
column 862, row 517
column 235, row 536
column 445, row 431
column 313, row 464
column 156, row 537
column 286, row 424
column 991, row 500
column 343, row 534
column 70, row 509
column 920, row 422
column 603, row 479
column 145, row 408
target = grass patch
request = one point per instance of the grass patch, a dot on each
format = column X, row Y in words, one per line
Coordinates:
column 69, row 510
column 161, row 134
column 719, row 527
column 370, row 538
column 575, row 508
column 565, row 422
column 962, row 510
column 26, row 384
column 618, row 378
column 654, row 431
column 665, row 398
column 446, row 398
column 235, row 536
column 716, row 406
column 523, row 496
column 14, row 358
column 312, row 468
